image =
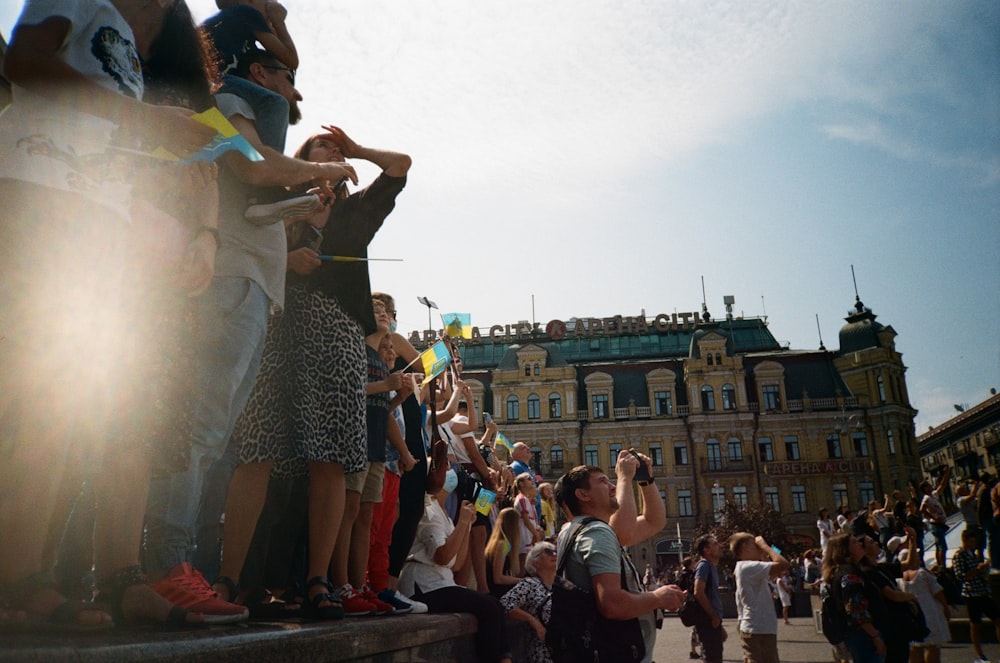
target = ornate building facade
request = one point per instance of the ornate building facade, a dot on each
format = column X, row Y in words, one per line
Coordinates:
column 725, row 412
column 968, row 443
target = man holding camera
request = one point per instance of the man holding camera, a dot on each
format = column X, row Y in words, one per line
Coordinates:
column 596, row 558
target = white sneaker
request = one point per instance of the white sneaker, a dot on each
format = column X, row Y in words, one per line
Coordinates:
column 419, row 607
column 290, row 208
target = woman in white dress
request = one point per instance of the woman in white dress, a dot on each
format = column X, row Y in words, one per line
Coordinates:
column 922, row 583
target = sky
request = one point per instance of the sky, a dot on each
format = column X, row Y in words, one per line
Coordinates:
column 586, row 158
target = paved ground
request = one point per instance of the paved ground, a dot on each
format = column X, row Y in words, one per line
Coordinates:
column 797, row 643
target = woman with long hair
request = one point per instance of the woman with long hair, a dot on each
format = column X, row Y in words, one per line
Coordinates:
column 549, row 509
column 861, row 601
column 503, row 568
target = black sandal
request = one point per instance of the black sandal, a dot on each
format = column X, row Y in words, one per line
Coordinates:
column 313, row 609
column 264, row 605
column 64, row 617
column 129, row 576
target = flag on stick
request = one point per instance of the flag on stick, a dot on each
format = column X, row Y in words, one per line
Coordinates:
column 434, row 360
column 226, row 138
column 484, row 501
column 457, row 325
column 504, row 442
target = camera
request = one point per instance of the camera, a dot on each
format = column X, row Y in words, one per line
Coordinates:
column 641, row 472
column 468, row 487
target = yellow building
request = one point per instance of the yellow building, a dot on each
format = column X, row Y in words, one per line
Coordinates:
column 724, row 411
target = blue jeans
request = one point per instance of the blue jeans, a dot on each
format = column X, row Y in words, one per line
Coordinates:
column 270, row 109
column 232, row 318
column 862, row 647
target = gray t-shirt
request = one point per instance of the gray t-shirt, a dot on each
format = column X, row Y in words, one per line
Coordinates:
column 255, row 252
column 598, row 551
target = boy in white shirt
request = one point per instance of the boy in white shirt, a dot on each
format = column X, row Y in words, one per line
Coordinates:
column 756, row 564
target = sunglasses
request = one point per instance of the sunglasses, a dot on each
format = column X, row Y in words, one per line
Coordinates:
column 550, row 551
column 290, row 72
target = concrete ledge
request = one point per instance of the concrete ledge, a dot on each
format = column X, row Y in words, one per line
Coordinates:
column 440, row 638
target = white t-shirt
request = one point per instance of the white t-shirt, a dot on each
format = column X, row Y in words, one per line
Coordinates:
column 420, row 569
column 59, row 147
column 754, row 605
column 456, row 447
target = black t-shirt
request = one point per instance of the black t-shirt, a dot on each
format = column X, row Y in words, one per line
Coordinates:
column 352, row 226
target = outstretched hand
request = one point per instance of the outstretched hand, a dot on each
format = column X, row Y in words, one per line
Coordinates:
column 347, row 146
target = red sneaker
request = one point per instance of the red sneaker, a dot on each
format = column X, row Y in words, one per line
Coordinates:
column 381, row 607
column 187, row 588
column 354, row 603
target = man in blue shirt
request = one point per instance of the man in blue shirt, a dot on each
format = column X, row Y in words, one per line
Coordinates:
column 706, row 591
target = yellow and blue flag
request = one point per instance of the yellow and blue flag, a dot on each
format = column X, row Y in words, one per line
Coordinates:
column 484, row 501
column 434, row 359
column 226, row 138
column 504, row 442
column 458, row 325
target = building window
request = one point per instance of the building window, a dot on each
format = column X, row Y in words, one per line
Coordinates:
column 664, row 403
column 614, row 450
column 590, row 455
column 866, row 491
column 536, row 460
column 718, row 359
column 656, row 454
column 538, row 369
column 771, row 497
column 890, row 438
column 791, row 447
column 534, row 407
column 839, row 495
column 680, row 453
column 556, row 457
column 718, row 502
column 684, row 503
column 740, row 496
column 833, row 449
column 860, row 444
column 709, row 357
column 765, row 449
column 707, row 399
column 799, row 499
column 714, row 454
column 881, row 389
column 728, row 397
column 772, row 396
column 513, row 408
column 600, row 402
column 527, row 371
column 735, row 449
column 555, row 406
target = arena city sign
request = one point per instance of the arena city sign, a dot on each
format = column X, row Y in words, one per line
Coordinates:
column 556, row 330
column 817, row 467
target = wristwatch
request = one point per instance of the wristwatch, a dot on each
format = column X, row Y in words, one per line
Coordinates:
column 643, row 484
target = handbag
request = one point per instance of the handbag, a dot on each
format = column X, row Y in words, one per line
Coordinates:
column 576, row 631
column 691, row 612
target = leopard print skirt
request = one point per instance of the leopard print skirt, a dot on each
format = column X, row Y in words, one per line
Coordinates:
column 309, row 400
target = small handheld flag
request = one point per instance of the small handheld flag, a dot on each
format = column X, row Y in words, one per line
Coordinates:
column 484, row 501
column 227, row 138
column 457, row 325
column 434, row 360
column 504, row 442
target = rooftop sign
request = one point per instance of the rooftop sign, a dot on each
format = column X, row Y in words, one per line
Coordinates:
column 557, row 330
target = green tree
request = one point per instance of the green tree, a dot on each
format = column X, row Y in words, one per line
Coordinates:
column 758, row 519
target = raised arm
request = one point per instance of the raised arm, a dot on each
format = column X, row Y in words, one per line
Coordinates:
column 279, row 42
column 394, row 164
column 630, row 527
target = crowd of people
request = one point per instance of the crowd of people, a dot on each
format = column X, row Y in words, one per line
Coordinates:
column 197, row 376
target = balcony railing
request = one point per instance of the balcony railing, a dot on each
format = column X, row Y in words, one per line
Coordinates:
column 709, row 465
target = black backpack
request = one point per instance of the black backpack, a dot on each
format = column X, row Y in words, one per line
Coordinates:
column 833, row 614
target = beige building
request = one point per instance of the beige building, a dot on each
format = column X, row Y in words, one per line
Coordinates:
column 724, row 411
column 968, row 443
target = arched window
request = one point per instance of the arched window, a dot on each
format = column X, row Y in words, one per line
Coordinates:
column 534, row 407
column 555, row 406
column 714, row 452
column 556, row 457
column 707, row 399
column 709, row 357
column 513, row 408
column 728, row 397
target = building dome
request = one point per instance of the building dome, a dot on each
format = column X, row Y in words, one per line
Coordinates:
column 861, row 331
